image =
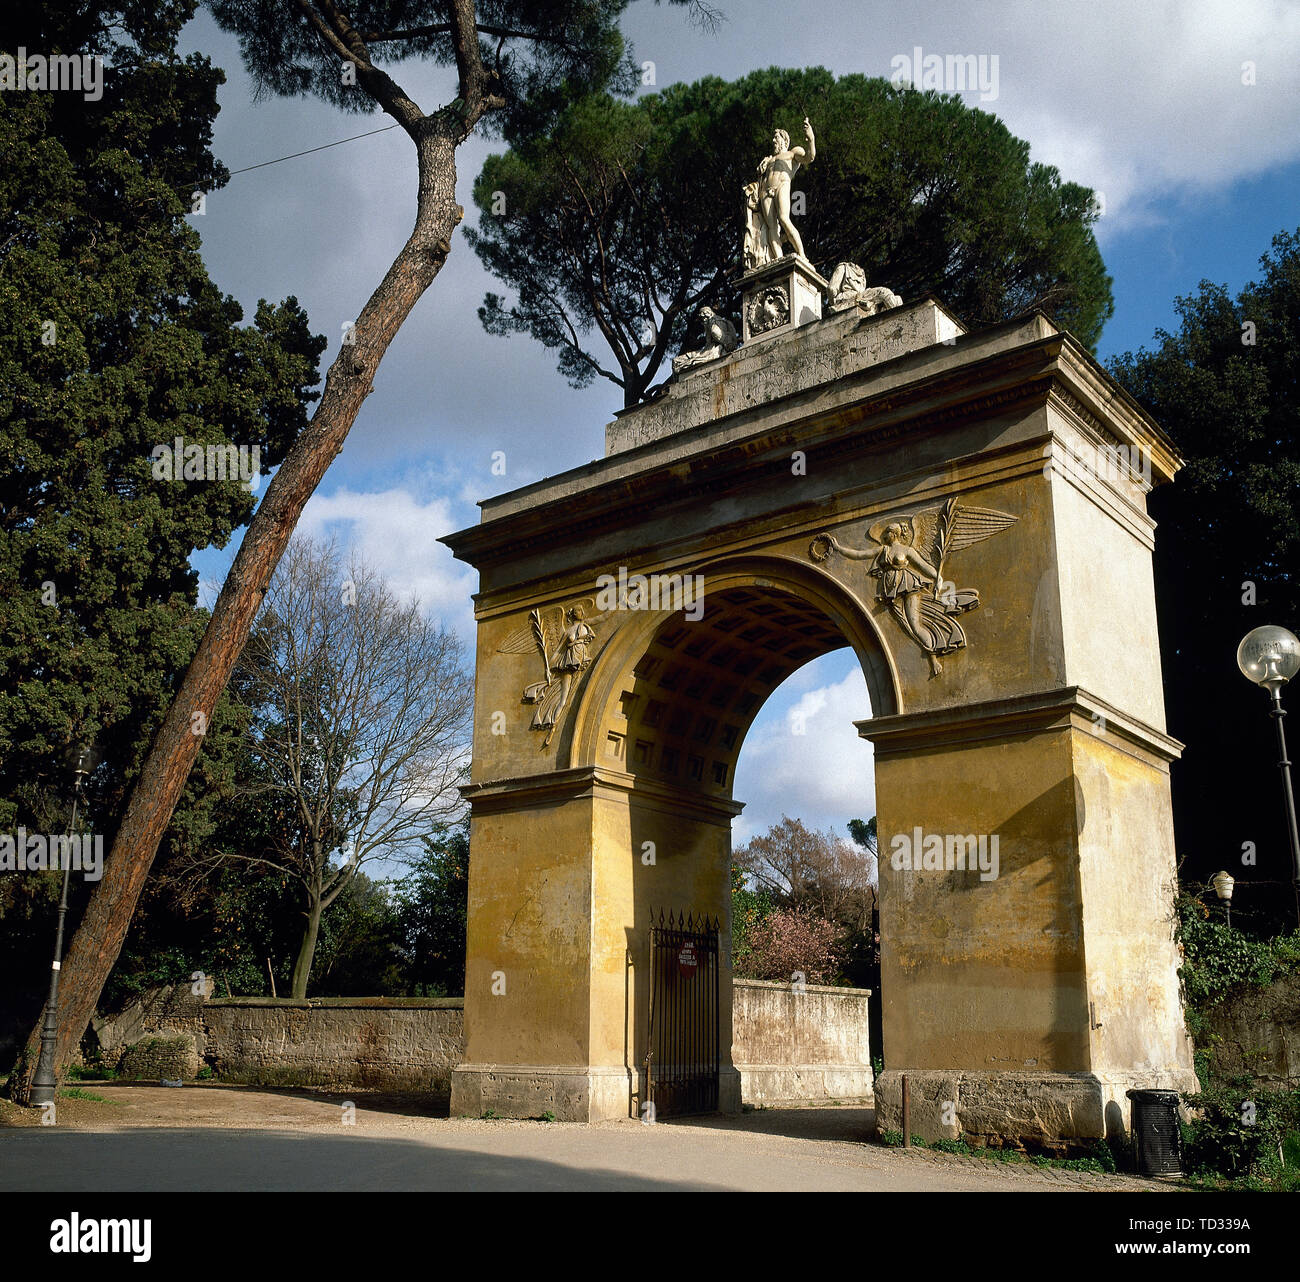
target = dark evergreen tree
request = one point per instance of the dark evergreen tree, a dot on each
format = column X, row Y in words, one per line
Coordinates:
column 615, row 223
column 1226, row 387
column 113, row 340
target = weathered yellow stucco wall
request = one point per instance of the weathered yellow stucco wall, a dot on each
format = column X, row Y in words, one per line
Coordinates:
column 530, row 898
column 1128, row 879
column 983, row 973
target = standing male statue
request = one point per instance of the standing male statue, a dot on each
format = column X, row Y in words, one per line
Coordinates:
column 767, row 201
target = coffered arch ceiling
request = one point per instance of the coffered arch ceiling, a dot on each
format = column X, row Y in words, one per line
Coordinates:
column 680, row 708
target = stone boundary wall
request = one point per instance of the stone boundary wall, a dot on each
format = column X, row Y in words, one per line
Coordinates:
column 800, row 1047
column 170, row 1010
column 370, row 1043
column 789, row 1047
column 1256, row 1032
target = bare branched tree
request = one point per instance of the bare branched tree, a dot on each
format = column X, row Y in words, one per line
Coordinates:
column 360, row 714
column 807, row 869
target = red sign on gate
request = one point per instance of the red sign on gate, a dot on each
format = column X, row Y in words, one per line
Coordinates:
column 687, row 961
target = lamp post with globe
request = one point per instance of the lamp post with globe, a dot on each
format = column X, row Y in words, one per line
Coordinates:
column 82, row 759
column 1223, row 882
column 1270, row 657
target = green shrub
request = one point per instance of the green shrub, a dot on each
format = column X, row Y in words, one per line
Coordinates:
column 1240, row 1128
column 1103, row 1155
column 1219, row 958
column 90, row 1073
column 952, row 1146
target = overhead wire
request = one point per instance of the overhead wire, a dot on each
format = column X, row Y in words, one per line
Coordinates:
column 310, row 150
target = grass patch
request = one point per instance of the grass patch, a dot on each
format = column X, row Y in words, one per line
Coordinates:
column 1273, row 1175
column 894, row 1139
column 1099, row 1160
column 75, row 1092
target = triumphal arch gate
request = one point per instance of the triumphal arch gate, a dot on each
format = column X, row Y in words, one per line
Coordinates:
column 967, row 512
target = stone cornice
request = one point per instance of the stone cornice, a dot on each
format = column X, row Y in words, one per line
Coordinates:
column 762, row 536
column 1104, row 405
column 841, row 432
column 496, row 796
column 638, row 484
column 909, row 732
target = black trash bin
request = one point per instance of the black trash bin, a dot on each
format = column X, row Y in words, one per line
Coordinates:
column 1157, row 1139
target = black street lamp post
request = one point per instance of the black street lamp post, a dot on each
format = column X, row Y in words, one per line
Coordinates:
column 1270, row 657
column 83, row 759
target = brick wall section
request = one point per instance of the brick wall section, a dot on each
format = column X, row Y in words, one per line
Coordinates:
column 379, row 1043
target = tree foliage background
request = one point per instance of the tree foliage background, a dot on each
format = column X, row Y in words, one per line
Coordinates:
column 805, row 900
column 1226, row 387
column 94, row 239
column 613, row 225
column 113, row 339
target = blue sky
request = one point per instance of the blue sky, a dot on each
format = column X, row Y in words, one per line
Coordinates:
column 1150, row 105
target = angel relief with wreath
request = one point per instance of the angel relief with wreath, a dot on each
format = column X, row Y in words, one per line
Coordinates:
column 907, row 557
column 562, row 638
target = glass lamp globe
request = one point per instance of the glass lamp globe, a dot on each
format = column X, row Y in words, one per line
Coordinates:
column 1223, row 883
column 1269, row 656
column 81, row 758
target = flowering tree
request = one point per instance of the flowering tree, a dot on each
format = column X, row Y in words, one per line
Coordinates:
column 793, row 942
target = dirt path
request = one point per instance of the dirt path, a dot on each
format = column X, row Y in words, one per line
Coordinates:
column 197, row 1137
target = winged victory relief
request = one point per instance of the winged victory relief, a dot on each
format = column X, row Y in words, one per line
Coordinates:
column 907, row 557
column 563, row 637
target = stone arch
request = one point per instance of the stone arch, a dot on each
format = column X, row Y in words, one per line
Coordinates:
column 1033, row 974
column 734, row 670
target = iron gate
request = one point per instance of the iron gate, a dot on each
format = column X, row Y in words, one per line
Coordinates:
column 683, row 1051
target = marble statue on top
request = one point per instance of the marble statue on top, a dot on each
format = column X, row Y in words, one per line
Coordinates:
column 767, row 201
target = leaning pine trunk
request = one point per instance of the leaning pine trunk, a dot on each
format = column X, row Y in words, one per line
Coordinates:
column 98, row 941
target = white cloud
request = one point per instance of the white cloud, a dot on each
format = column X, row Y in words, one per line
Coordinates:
column 824, row 776
column 398, row 535
column 1147, row 102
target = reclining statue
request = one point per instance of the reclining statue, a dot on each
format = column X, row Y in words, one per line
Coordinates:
column 848, row 287
column 720, row 338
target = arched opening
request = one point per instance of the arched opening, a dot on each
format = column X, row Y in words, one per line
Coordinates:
column 698, row 687
column 761, row 621
column 666, row 713
column 805, row 870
